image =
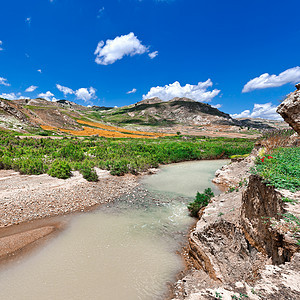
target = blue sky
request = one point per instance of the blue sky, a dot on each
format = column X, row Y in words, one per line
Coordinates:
column 213, row 51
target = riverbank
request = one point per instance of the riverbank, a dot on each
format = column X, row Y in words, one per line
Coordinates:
column 245, row 242
column 28, row 201
column 29, row 197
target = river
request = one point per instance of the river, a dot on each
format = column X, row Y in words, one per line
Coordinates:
column 124, row 250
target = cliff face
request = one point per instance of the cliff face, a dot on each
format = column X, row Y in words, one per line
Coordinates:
column 243, row 245
column 289, row 109
column 262, row 209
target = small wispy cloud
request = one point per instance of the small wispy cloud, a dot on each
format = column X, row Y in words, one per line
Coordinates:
column 39, row 70
column 1, row 45
column 65, row 90
column 28, row 20
column 3, row 81
column 268, row 81
column 217, row 106
column 100, row 12
column 132, row 91
column 31, row 88
column 153, row 54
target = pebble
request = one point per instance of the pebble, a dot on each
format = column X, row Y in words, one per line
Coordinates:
column 19, row 205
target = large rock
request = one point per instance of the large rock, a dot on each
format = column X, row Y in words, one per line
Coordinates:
column 289, row 109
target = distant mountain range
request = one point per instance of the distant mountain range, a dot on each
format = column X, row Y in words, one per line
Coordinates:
column 179, row 114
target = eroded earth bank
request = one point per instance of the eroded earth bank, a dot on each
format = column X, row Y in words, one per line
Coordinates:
column 243, row 246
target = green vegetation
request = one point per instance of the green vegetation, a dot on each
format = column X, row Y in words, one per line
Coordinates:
column 288, row 200
column 200, row 201
column 120, row 156
column 282, row 169
column 239, row 156
column 240, row 297
column 60, row 169
column 89, row 173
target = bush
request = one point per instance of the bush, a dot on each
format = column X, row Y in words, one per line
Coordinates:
column 200, row 201
column 119, row 167
column 89, row 174
column 60, row 169
column 30, row 166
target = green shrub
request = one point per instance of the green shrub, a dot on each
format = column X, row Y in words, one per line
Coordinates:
column 200, row 201
column 60, row 169
column 119, row 167
column 89, row 173
column 30, row 166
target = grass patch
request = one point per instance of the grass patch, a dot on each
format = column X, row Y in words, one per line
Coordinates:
column 282, row 169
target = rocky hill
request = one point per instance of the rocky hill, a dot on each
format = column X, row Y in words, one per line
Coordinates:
column 177, row 115
column 176, row 111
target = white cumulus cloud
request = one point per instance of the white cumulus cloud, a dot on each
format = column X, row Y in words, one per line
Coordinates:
column 268, row 81
column 31, row 88
column 198, row 92
column 263, row 111
column 46, row 96
column 132, row 91
column 12, row 96
column 3, row 81
column 65, row 90
column 113, row 50
column 86, row 94
column 39, row 70
column 153, row 54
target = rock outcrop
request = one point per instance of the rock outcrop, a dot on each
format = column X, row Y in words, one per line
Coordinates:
column 243, row 244
column 289, row 109
column 12, row 110
column 262, row 210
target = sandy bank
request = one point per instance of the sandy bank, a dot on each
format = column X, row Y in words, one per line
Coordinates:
column 24, row 198
column 27, row 198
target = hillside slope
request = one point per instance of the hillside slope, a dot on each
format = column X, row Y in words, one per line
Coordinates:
column 151, row 115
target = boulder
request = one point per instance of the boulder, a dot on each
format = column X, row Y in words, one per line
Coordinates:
column 289, row 109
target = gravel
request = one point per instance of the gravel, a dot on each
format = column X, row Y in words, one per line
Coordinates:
column 29, row 197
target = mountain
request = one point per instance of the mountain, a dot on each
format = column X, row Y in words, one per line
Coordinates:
column 156, row 112
column 177, row 115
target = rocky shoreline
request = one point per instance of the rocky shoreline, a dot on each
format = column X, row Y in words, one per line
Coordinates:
column 240, row 248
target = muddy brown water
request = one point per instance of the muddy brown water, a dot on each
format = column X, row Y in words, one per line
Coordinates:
column 125, row 250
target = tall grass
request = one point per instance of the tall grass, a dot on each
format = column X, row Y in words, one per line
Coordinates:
column 272, row 139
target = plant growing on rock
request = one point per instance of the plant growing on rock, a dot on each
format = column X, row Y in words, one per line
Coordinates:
column 200, row 201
